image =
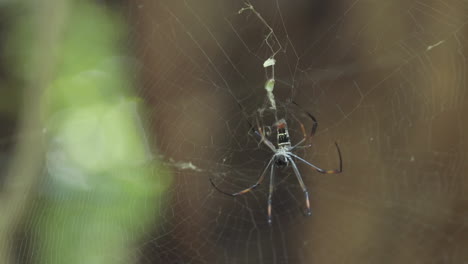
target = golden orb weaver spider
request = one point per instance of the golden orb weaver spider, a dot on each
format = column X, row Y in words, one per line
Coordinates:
column 283, row 156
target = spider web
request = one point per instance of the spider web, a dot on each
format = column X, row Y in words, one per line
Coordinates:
column 386, row 80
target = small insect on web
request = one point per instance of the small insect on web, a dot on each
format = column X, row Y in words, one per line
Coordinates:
column 283, row 156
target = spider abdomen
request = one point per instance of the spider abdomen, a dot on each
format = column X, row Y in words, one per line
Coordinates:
column 283, row 138
column 283, row 134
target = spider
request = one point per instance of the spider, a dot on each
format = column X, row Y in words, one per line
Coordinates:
column 283, row 156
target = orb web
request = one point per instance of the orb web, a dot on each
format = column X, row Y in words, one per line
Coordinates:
column 386, row 81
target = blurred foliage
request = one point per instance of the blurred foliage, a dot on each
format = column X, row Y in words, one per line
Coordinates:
column 103, row 187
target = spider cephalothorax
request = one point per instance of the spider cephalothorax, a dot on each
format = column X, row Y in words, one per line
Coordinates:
column 281, row 161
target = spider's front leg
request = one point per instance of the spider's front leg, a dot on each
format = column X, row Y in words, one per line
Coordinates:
column 312, row 132
column 263, row 139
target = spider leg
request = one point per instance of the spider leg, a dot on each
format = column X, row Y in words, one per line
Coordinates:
column 298, row 144
column 266, row 141
column 259, row 181
column 301, row 182
column 312, row 132
column 260, row 134
column 303, row 133
column 263, row 139
column 314, row 120
column 336, row 171
column 270, row 193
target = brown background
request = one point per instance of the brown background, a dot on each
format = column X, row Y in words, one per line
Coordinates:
column 365, row 69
